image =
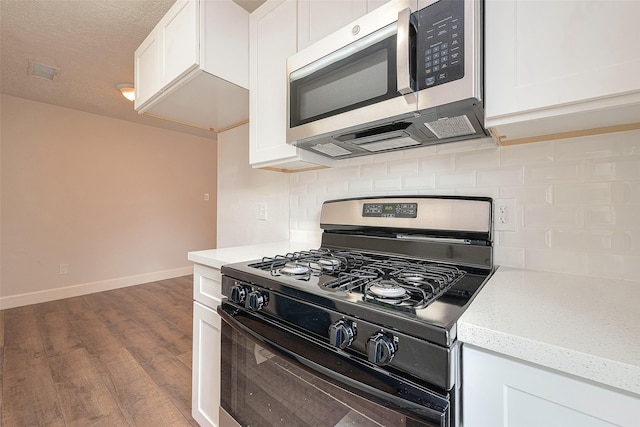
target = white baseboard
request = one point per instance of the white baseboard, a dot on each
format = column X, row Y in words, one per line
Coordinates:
column 19, row 300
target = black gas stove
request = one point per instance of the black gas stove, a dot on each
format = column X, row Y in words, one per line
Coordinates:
column 386, row 286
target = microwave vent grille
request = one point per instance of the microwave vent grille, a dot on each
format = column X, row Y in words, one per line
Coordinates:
column 449, row 127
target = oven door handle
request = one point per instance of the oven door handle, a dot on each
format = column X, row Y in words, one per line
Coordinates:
column 340, row 369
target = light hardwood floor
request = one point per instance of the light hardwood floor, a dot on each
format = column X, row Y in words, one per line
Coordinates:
column 115, row 358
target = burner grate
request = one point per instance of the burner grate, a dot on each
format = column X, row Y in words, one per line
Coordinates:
column 388, row 280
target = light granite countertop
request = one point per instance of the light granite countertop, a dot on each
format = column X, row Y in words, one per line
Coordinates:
column 585, row 326
column 216, row 258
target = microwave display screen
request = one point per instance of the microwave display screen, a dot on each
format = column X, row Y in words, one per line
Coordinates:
column 440, row 45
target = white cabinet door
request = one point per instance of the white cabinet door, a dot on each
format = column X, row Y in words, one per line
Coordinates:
column 560, row 66
column 500, row 391
column 319, row 18
column 205, row 393
column 207, row 285
column 272, row 38
column 147, row 69
column 179, row 32
column 200, row 68
column 206, row 366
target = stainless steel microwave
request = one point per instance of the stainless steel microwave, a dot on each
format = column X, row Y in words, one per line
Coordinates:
column 408, row 74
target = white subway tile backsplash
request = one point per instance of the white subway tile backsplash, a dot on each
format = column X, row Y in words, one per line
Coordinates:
column 593, row 193
column 479, row 159
column 626, row 193
column 437, row 163
column 346, row 173
column 456, row 179
column 620, row 217
column 604, row 265
column 309, row 177
column 577, row 200
column 616, row 168
column 373, row 170
column 360, row 185
column 419, row 182
column 610, row 241
column 534, row 238
column 526, row 154
column 553, row 216
column 508, row 256
column 468, row 145
column 530, row 195
column 570, row 262
column 297, row 213
column 337, row 187
column 391, row 183
column 498, row 177
column 632, row 268
column 475, row 191
column 555, row 172
column 589, row 147
column 405, row 166
column 631, row 143
column 566, row 239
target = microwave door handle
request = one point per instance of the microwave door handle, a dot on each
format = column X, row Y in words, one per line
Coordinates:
column 403, row 75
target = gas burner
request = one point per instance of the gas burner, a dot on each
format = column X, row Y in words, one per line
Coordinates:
column 329, row 265
column 387, row 291
column 295, row 269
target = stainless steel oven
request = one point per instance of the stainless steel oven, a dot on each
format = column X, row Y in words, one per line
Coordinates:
column 362, row 330
column 275, row 377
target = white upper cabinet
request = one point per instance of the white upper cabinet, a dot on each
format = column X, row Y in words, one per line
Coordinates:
column 193, row 67
column 272, row 35
column 561, row 68
column 318, row 19
column 178, row 34
column 147, row 69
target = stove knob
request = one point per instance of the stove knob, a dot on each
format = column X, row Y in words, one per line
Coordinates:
column 380, row 349
column 257, row 300
column 342, row 333
column 238, row 294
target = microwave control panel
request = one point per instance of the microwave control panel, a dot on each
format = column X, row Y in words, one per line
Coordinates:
column 440, row 43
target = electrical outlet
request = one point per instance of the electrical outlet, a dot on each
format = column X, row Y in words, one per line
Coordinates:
column 206, row 197
column 64, row 269
column 504, row 215
column 262, row 211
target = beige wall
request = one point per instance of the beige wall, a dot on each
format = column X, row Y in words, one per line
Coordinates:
column 110, row 198
column 241, row 189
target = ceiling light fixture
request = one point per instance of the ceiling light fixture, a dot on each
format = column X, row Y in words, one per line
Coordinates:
column 127, row 90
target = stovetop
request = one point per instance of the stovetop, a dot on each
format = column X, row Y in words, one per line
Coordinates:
column 398, row 283
column 411, row 264
column 419, row 297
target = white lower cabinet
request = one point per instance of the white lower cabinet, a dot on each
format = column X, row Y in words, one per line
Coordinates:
column 205, row 397
column 501, row 391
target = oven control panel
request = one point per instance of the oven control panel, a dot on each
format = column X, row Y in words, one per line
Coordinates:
column 390, row 210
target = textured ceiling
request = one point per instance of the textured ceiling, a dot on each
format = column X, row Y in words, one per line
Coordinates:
column 91, row 41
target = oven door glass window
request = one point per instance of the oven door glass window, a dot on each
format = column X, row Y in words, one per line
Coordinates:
column 259, row 388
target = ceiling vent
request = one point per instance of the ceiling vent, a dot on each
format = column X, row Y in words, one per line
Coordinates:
column 42, row 71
